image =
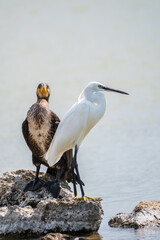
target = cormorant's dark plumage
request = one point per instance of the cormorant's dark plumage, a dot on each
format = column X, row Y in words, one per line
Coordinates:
column 38, row 130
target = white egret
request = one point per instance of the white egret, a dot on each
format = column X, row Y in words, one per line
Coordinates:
column 76, row 124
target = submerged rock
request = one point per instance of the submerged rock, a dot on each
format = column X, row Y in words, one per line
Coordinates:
column 59, row 236
column 145, row 214
column 56, row 236
column 36, row 213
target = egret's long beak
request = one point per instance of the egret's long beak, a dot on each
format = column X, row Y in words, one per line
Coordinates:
column 114, row 90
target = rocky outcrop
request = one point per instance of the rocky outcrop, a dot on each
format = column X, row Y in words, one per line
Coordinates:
column 145, row 214
column 36, row 213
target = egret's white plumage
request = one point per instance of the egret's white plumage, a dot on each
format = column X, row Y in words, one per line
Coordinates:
column 78, row 121
column 76, row 124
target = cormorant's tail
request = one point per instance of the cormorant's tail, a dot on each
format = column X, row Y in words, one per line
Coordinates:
column 64, row 164
column 53, row 187
column 66, row 176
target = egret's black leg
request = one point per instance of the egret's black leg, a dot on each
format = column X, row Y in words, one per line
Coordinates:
column 79, row 180
column 74, row 165
column 34, row 184
column 74, row 181
column 54, row 187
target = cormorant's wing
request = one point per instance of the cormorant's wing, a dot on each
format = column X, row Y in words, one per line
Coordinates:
column 54, row 122
column 30, row 142
column 25, row 132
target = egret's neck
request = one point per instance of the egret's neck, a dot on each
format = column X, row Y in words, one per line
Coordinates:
column 94, row 97
column 88, row 94
column 97, row 98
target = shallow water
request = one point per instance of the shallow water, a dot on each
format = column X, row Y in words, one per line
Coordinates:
column 68, row 44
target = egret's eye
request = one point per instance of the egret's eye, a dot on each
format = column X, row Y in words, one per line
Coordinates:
column 100, row 86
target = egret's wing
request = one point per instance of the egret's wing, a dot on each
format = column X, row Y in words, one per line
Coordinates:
column 70, row 129
column 74, row 123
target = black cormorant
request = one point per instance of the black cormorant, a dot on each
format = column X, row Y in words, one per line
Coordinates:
column 38, row 130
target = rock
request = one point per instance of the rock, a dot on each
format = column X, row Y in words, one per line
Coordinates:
column 56, row 236
column 145, row 214
column 59, row 236
column 36, row 213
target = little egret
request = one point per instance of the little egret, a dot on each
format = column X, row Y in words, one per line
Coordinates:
column 76, row 124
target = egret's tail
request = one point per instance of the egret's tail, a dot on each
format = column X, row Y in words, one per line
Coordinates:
column 47, row 154
column 52, row 157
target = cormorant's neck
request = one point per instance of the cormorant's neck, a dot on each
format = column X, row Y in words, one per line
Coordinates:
column 42, row 100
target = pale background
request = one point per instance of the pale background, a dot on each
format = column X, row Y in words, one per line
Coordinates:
column 68, row 44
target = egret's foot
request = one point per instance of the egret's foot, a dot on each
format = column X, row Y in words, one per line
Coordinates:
column 85, row 198
column 53, row 187
column 33, row 185
column 79, row 198
column 95, row 198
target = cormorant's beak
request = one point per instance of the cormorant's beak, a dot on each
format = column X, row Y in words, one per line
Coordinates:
column 114, row 90
column 43, row 91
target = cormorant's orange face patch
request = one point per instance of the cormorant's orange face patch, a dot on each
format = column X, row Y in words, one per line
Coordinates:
column 43, row 91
